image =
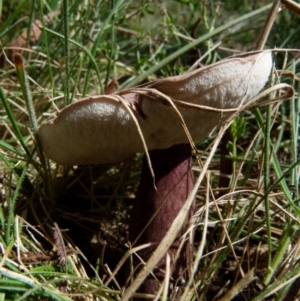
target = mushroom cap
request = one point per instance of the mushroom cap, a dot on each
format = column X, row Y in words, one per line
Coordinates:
column 99, row 129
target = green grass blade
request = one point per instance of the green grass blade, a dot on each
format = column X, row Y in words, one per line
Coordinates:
column 55, row 295
column 12, row 205
column 294, row 115
column 22, row 77
column 13, row 122
column 87, row 52
column 10, row 148
column 279, row 283
column 277, row 168
column 4, row 28
column 281, row 251
column 266, row 173
column 66, row 51
column 191, row 45
column 45, row 41
column 284, row 186
column 31, row 21
column 97, row 41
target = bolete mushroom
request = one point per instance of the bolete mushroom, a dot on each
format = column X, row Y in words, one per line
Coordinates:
column 103, row 129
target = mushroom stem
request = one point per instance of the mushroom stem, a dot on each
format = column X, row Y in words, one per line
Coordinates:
column 173, row 181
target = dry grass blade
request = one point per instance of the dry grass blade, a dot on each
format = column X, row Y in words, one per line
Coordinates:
column 288, row 93
column 157, row 95
column 292, row 5
column 123, row 259
column 127, row 107
column 268, row 25
column 289, row 74
column 246, row 280
column 200, row 250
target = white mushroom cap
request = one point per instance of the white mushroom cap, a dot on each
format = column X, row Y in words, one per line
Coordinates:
column 100, row 129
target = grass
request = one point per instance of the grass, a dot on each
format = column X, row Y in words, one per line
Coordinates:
column 253, row 224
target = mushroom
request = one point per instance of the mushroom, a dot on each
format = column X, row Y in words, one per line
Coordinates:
column 100, row 129
column 104, row 129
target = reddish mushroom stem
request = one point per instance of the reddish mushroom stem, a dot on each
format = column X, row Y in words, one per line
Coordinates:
column 174, row 181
